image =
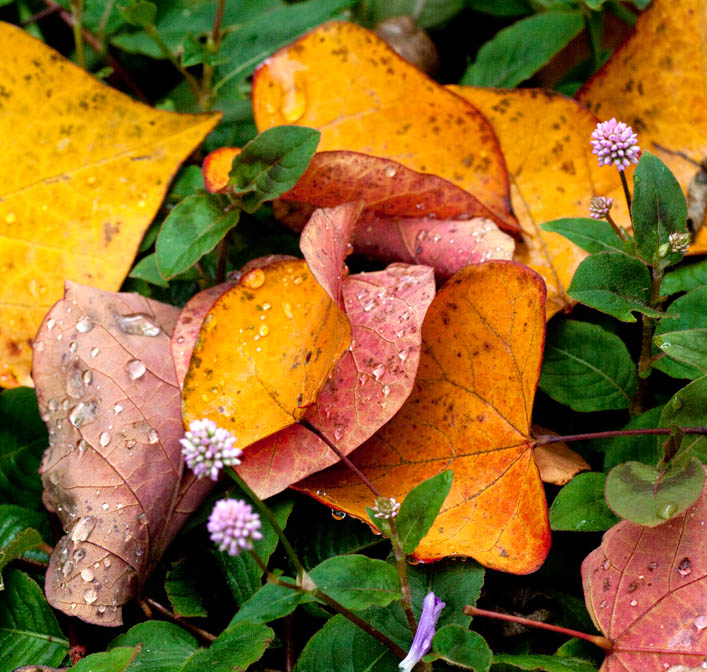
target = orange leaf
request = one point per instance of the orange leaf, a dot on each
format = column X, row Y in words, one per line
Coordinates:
column 482, row 342
column 362, row 96
column 217, row 166
column 545, row 140
column 264, row 351
column 646, row 590
column 84, row 169
column 657, row 83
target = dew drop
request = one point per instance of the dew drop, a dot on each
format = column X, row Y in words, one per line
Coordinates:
column 135, row 368
column 94, row 352
column 254, row 279
column 82, row 530
column 386, row 390
column 101, row 608
column 84, row 324
column 378, row 371
column 87, row 574
column 701, row 622
column 117, row 409
column 52, row 405
column 412, row 561
column 667, row 511
column 90, row 596
column 81, row 445
column 294, row 100
column 38, row 346
column 297, row 280
column 67, row 568
column 105, row 506
column 106, row 562
column 83, row 413
column 338, row 515
column 390, row 171
column 264, row 330
column 685, row 567
column 87, row 377
column 73, row 347
column 633, row 603
column 152, row 435
column 338, row 433
column 50, row 323
column 137, row 324
column 287, row 310
column 104, row 438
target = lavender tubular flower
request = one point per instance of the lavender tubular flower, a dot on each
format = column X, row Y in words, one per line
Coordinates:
column 207, row 449
column 233, row 526
column 615, row 143
column 431, row 609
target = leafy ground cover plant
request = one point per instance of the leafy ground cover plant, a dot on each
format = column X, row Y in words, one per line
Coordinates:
column 341, row 298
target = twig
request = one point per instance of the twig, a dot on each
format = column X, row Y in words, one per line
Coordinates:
column 40, row 15
column 545, row 439
column 199, row 632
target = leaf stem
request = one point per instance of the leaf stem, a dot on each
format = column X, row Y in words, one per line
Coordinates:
column 598, row 640
column 77, row 13
column 545, row 439
column 203, row 634
column 40, row 15
column 619, row 229
column 213, row 43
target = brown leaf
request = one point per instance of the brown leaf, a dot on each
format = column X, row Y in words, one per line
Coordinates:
column 107, row 391
column 558, row 463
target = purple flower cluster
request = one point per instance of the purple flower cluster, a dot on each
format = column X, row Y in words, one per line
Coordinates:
column 233, row 526
column 207, row 449
column 615, row 142
column 599, row 206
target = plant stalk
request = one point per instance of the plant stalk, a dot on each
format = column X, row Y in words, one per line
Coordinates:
column 195, row 630
column 545, row 439
column 77, row 13
column 627, row 193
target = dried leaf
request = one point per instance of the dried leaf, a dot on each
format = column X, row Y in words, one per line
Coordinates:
column 545, row 141
column 482, row 343
column 107, row 391
column 657, row 83
column 557, row 462
column 385, row 107
column 85, row 169
column 646, row 590
column 264, row 351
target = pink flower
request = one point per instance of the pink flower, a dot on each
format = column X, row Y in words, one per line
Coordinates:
column 386, row 507
column 233, row 526
column 599, row 206
column 207, row 449
column 615, row 142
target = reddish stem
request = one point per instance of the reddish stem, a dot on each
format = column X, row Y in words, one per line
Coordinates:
column 545, row 439
column 598, row 640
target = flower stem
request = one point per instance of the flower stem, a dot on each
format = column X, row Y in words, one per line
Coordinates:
column 203, row 634
column 545, row 439
column 600, row 641
column 619, row 230
column 77, row 12
column 627, row 193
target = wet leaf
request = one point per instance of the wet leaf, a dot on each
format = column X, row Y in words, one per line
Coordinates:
column 387, row 108
column 108, row 394
column 645, row 590
column 545, row 142
column 21, row 543
column 80, row 188
column 688, row 408
column 655, row 82
column 16, row 519
column 469, row 412
column 264, row 351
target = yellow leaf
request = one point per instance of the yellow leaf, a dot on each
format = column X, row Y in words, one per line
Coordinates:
column 84, row 169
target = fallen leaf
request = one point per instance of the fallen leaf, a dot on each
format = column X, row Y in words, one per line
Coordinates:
column 112, row 472
column 217, row 166
column 85, row 169
column 264, row 351
column 375, row 375
column 657, row 83
column 646, row 590
column 545, row 141
column 469, row 411
column 557, row 462
column 362, row 96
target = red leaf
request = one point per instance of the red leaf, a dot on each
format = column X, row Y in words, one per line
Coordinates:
column 646, row 590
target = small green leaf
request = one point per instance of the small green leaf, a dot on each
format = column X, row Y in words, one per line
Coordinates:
column 22, row 543
column 646, row 496
column 28, row 628
column 183, row 594
column 420, row 508
column 685, row 278
column 640, row 448
column 141, row 13
column 357, row 582
column 191, row 230
column 165, row 647
column 433, row 12
column 658, row 209
column 586, row 367
column 592, row 235
column 535, row 661
column 271, row 164
column 580, row 506
column 615, row 284
column 462, row 648
column 688, row 408
column 146, row 269
column 115, row 660
column 270, row 603
column 501, row 7
column 14, row 519
column 519, row 51
column 687, row 314
column 234, row 650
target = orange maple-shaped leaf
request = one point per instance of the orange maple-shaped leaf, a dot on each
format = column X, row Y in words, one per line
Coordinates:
column 84, row 169
column 545, row 140
column 264, row 351
column 646, row 590
column 657, row 83
column 362, row 96
column 482, row 342
column 113, row 469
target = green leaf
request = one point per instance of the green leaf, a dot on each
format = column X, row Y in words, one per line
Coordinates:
column 14, row 519
column 501, row 7
column 685, row 278
column 580, row 505
column 420, row 508
column 165, row 647
column 23, row 438
column 234, row 650
column 183, row 595
column 271, row 164
column 687, row 314
column 519, row 51
column 140, row 13
column 192, row 229
column 658, row 209
column 615, row 284
column 243, row 574
column 462, row 647
column 146, row 269
column 357, row 582
column 533, row 661
column 457, row 582
column 640, row 448
column 592, row 235
column 115, row 660
column 433, row 13
column 586, row 367
column 341, row 646
column 646, row 496
column 29, row 632
column 688, row 408
column 270, row 603
column 189, row 181
column 22, row 542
